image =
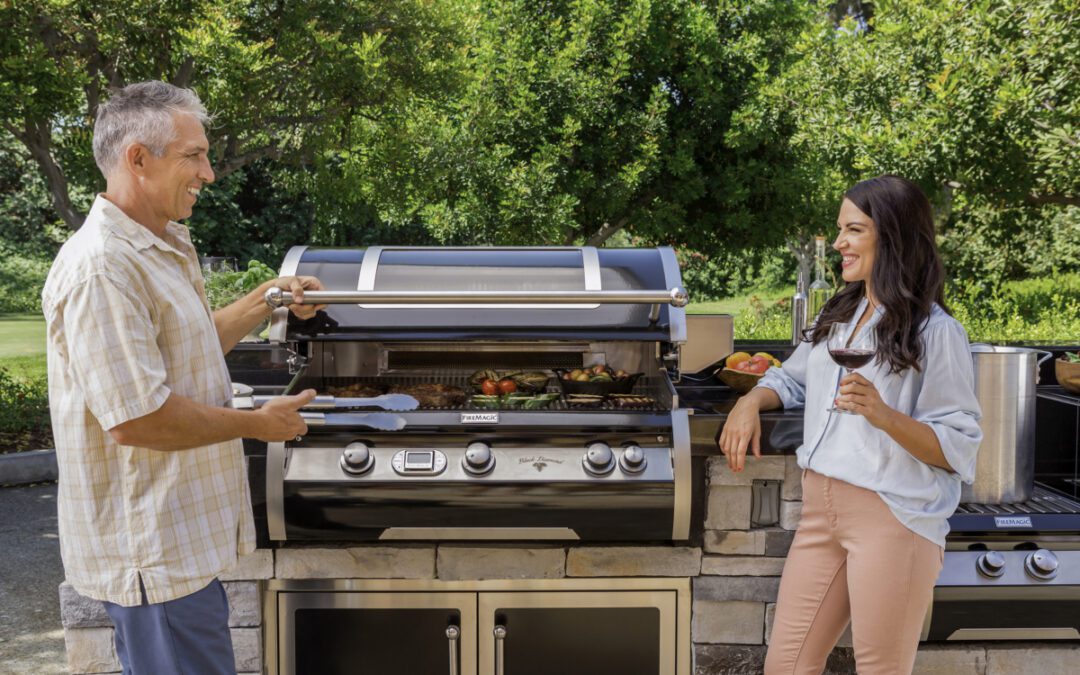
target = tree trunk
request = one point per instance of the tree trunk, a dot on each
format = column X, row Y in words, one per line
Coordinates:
column 606, row 232
column 802, row 247
column 37, row 139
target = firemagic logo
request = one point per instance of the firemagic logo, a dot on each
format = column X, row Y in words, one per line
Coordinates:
column 539, row 463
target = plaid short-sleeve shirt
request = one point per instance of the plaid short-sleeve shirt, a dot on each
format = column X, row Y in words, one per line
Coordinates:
column 128, row 325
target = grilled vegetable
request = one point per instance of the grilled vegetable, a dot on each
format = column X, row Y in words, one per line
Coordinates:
column 632, row 401
column 530, row 381
column 584, row 401
column 483, row 401
column 477, row 378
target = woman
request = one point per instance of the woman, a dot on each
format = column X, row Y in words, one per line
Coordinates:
column 879, row 484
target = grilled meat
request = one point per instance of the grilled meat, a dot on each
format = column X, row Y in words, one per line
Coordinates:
column 357, row 390
column 432, row 395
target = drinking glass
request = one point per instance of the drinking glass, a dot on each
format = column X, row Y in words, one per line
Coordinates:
column 851, row 353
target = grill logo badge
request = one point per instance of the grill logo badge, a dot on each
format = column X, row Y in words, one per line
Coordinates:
column 480, row 418
column 1012, row 521
column 539, row 463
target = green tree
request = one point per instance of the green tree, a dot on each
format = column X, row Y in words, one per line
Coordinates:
column 579, row 120
column 976, row 101
column 284, row 79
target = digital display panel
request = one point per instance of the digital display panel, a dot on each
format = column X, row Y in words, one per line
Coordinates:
column 419, row 460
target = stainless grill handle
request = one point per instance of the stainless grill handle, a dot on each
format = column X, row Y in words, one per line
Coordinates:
column 500, row 636
column 452, row 635
column 676, row 297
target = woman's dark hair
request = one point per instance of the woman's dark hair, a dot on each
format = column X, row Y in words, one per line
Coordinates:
column 908, row 277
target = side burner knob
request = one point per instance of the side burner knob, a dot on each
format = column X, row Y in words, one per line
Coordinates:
column 633, row 459
column 991, row 564
column 599, row 460
column 357, row 459
column 478, row 459
column 1042, row 564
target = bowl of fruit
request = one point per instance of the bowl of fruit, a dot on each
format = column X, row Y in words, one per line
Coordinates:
column 1067, row 371
column 742, row 371
column 598, row 380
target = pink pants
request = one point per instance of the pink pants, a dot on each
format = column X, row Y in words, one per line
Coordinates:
column 851, row 560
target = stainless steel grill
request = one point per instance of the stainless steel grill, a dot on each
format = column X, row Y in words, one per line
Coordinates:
column 400, row 317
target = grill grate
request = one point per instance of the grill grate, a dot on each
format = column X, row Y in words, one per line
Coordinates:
column 1042, row 501
column 643, row 387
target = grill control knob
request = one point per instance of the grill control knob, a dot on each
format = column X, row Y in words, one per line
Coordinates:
column 991, row 564
column 478, row 459
column 1041, row 564
column 632, row 460
column 599, row 460
column 357, row 459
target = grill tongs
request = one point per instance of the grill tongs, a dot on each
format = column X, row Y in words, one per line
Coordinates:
column 320, row 410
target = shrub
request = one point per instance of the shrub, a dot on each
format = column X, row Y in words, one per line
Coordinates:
column 227, row 286
column 24, row 403
column 764, row 322
column 21, row 281
column 1031, row 310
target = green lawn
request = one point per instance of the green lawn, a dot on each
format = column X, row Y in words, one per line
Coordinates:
column 22, row 344
column 737, row 304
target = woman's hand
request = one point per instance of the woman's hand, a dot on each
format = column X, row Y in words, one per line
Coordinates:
column 860, row 396
column 742, row 429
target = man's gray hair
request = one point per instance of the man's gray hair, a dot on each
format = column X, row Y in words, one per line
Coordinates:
column 141, row 113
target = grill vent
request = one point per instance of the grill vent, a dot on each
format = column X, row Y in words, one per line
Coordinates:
column 472, row 361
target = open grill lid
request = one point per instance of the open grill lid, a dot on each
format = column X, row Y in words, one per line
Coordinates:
column 418, row 293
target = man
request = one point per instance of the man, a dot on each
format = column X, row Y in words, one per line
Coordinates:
column 153, row 499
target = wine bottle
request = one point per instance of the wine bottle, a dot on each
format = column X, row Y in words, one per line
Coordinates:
column 798, row 313
column 820, row 290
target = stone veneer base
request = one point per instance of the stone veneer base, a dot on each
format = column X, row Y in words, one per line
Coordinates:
column 734, row 576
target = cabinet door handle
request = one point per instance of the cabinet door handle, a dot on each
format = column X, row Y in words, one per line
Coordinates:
column 452, row 635
column 500, row 636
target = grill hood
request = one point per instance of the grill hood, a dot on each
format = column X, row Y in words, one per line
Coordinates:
column 591, row 280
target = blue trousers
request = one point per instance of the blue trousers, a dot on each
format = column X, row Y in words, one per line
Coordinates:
column 186, row 636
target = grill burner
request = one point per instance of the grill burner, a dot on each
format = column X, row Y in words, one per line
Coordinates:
column 644, row 387
column 1043, row 501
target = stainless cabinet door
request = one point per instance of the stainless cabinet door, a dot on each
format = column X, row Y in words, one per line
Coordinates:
column 577, row 633
column 358, row 633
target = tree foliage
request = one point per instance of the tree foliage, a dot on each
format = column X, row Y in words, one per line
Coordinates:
column 975, row 100
column 718, row 126
column 284, row 79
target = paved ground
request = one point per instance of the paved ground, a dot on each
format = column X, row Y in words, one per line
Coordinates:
column 31, row 636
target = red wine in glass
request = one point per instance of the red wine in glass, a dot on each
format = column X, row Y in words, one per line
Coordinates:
column 851, row 358
column 850, row 352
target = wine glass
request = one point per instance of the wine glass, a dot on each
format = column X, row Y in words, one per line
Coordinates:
column 851, row 353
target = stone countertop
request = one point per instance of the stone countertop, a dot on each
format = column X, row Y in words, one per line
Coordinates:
column 781, row 430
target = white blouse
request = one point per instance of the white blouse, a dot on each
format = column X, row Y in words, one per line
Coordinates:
column 848, row 448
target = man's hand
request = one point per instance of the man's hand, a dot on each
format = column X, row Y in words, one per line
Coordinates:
column 859, row 395
column 296, row 286
column 280, row 419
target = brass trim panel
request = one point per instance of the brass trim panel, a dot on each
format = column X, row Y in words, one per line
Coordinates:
column 680, row 457
column 665, row 601
column 504, row 533
column 681, row 586
column 288, row 603
column 275, row 490
column 1015, row 634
